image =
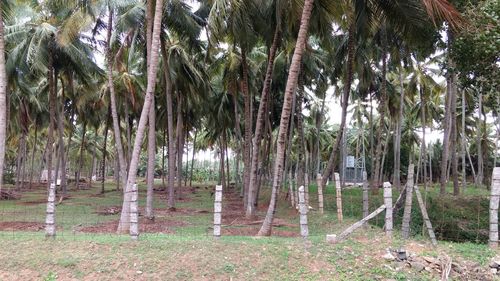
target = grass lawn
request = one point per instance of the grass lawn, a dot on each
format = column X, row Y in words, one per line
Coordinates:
column 185, row 250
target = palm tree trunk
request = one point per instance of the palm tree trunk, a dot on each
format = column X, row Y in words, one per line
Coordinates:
column 463, row 143
column 192, row 159
column 33, row 153
column 239, row 148
column 105, row 150
column 300, row 131
column 141, row 127
column 122, row 173
column 453, row 146
column 479, row 179
column 52, row 117
column 248, row 131
column 170, row 129
column 151, row 160
column 382, row 108
column 397, row 147
column 263, row 106
column 423, row 147
column 80, row 161
column 447, row 121
column 180, row 145
column 3, row 99
column 62, row 151
column 20, row 160
column 285, row 115
column 345, row 102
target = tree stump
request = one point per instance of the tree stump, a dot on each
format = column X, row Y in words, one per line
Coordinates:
column 304, row 230
column 50, row 219
column 217, row 211
column 494, row 202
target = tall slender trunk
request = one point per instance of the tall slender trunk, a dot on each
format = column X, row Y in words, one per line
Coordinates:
column 447, row 121
column 180, row 145
column 3, row 99
column 170, row 129
column 163, row 157
column 263, row 106
column 382, row 109
column 80, row 161
column 319, row 121
column 239, row 146
column 20, row 159
column 479, row 179
column 397, row 147
column 151, row 160
column 141, row 127
column 52, row 113
column 248, row 131
column 105, row 151
column 453, row 146
column 351, row 45
column 62, row 151
column 285, row 115
column 33, row 153
column 122, row 173
column 300, row 132
column 192, row 159
column 423, row 151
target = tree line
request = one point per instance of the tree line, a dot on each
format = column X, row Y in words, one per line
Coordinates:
column 83, row 84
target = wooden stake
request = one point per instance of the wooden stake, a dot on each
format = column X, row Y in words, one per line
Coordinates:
column 50, row 219
column 217, row 211
column 134, row 214
column 304, row 230
column 408, row 203
column 494, row 202
column 338, row 188
column 319, row 180
column 335, row 239
column 427, row 221
column 388, row 210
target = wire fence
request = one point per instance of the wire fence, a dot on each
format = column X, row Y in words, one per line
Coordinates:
column 90, row 213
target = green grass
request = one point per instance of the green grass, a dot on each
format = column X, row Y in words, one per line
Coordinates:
column 192, row 254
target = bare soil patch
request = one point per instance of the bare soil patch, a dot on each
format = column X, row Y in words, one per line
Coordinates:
column 253, row 230
column 33, row 202
column 21, row 226
column 145, row 226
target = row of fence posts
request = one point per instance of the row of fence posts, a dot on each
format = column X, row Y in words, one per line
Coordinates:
column 50, row 221
column 50, row 217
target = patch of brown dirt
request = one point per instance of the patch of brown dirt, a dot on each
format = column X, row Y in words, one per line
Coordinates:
column 21, row 226
column 33, row 202
column 145, row 225
column 109, row 210
column 253, row 230
column 183, row 211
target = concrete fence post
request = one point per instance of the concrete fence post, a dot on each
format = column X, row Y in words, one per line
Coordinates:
column 134, row 213
column 50, row 219
column 388, row 209
column 338, row 188
column 304, row 230
column 494, row 202
column 319, row 180
column 217, row 211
